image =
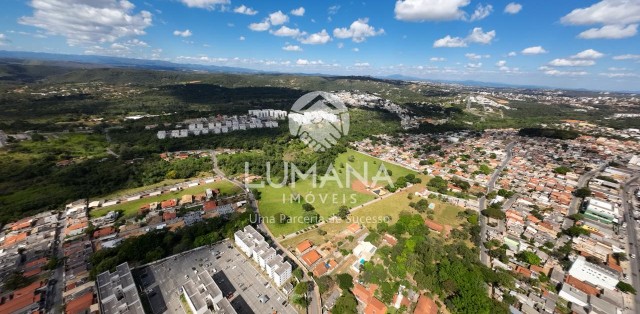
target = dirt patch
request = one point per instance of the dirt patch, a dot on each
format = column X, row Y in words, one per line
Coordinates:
column 360, row 187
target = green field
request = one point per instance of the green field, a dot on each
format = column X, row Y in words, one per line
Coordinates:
column 326, row 199
column 130, row 209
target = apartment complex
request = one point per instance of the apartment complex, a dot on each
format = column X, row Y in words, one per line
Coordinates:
column 252, row 243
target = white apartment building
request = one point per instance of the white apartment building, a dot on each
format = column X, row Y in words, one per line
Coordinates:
column 594, row 274
column 252, row 243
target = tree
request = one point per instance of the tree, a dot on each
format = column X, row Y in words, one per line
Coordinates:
column 281, row 218
column 297, row 273
column 625, row 287
column 529, row 258
column 494, row 213
column 620, row 256
column 301, row 288
column 346, row 304
column 345, row 281
column 16, row 281
column 343, row 212
column 583, row 192
column 307, row 207
column 562, row 170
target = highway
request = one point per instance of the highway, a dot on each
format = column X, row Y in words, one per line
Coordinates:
column 484, row 257
column 627, row 196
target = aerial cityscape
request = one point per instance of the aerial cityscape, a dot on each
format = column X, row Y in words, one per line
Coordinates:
column 407, row 156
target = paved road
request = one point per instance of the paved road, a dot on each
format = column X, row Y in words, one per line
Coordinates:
column 484, row 257
column 627, row 196
column 54, row 294
column 582, row 182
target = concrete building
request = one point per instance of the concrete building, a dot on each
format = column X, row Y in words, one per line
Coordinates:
column 117, row 292
column 203, row 296
column 593, row 274
column 574, row 295
column 601, row 211
column 252, row 243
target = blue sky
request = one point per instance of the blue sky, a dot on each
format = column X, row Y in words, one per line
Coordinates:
column 569, row 43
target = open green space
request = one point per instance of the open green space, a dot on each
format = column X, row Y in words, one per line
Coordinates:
column 130, row 208
column 327, row 198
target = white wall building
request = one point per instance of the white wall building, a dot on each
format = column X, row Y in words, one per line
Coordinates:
column 594, row 274
column 252, row 243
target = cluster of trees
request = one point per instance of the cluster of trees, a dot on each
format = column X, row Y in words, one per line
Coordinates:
column 438, row 184
column 562, row 170
column 451, row 271
column 549, row 133
column 159, row 244
column 402, row 182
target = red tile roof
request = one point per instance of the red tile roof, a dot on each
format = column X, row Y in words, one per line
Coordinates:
column 166, row 216
column 303, row 246
column 311, row 257
column 375, row 306
column 168, row 203
column 80, row 304
column 425, row 306
column 582, row 286
column 434, row 225
column 104, row 232
column 354, row 227
column 209, row 206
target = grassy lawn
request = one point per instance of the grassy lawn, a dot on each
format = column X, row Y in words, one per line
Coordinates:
column 67, row 145
column 144, row 188
column 391, row 206
column 326, row 199
column 131, row 208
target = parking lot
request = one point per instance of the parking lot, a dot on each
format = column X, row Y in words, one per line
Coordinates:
column 238, row 279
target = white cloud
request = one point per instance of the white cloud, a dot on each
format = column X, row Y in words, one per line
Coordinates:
column 619, row 75
column 204, row 4
column 318, row 38
column 627, row 57
column 332, row 10
column 571, row 63
column 588, row 54
column 261, row 26
column 356, row 49
column 241, row 38
column 513, row 8
column 184, row 33
column 340, row 45
column 243, row 9
column 437, row 59
column 309, row 62
column 3, row 39
column 613, row 69
column 554, row 72
column 474, row 65
column 285, row 31
column 501, row 63
column 298, row 12
column 361, row 64
column 610, row 32
column 292, row 48
column 87, row 22
column 358, row 31
column 535, row 50
column 278, row 18
column 512, row 54
column 481, row 12
column 135, row 42
column 473, row 56
column 478, row 36
column 619, row 18
column 606, row 12
column 430, row 10
column 450, row 42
